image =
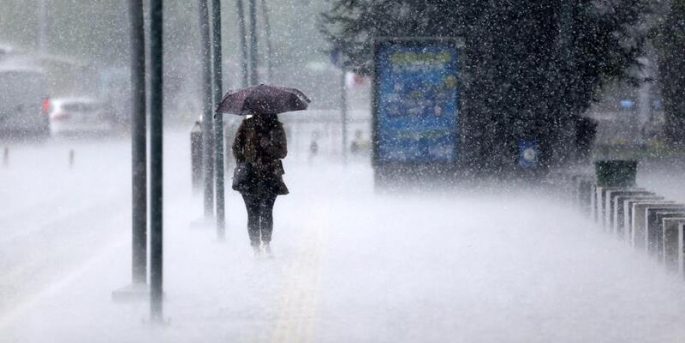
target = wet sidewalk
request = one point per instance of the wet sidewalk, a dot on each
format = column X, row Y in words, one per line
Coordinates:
column 355, row 266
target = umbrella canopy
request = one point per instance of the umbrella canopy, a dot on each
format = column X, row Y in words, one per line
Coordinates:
column 263, row 99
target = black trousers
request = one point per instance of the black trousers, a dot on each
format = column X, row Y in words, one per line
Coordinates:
column 260, row 217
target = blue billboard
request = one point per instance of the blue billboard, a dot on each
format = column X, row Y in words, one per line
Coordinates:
column 416, row 104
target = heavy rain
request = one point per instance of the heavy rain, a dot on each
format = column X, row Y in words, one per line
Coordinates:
column 342, row 171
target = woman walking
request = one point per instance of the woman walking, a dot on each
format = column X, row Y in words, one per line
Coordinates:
column 258, row 148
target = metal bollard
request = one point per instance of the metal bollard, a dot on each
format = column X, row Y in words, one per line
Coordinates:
column 639, row 228
column 71, row 158
column 681, row 248
column 196, row 155
column 672, row 243
column 654, row 231
column 609, row 202
column 619, row 209
column 6, row 157
column 666, row 238
column 628, row 214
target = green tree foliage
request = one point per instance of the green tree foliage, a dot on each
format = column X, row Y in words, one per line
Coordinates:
column 531, row 67
column 670, row 44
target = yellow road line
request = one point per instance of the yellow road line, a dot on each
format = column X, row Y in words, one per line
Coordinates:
column 302, row 291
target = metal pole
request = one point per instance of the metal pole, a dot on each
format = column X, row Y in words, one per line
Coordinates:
column 343, row 113
column 254, row 78
column 156, row 150
column 218, row 121
column 207, row 113
column 138, row 142
column 243, row 43
column 269, row 47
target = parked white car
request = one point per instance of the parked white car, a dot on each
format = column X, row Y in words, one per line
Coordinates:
column 78, row 116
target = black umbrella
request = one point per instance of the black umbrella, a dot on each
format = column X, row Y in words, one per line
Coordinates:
column 263, row 99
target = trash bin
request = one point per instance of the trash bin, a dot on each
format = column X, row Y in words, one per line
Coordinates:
column 196, row 155
column 616, row 173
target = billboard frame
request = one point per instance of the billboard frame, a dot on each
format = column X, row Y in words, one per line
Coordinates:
column 390, row 168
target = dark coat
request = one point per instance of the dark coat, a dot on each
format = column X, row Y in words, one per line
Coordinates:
column 260, row 141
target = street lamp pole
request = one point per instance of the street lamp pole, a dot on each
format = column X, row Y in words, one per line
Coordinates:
column 139, row 200
column 207, row 113
column 218, row 121
column 156, row 155
column 139, row 142
column 343, row 112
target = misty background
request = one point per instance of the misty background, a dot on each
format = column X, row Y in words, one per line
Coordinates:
column 530, row 71
column 86, row 48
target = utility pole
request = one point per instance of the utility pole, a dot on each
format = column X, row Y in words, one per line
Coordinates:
column 139, row 142
column 156, row 155
column 343, row 112
column 208, row 111
column 138, row 290
column 243, row 43
column 218, row 121
column 254, row 77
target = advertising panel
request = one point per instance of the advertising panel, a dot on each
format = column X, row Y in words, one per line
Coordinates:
column 416, row 103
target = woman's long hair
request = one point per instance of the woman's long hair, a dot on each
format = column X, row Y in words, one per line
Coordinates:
column 260, row 124
column 265, row 122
